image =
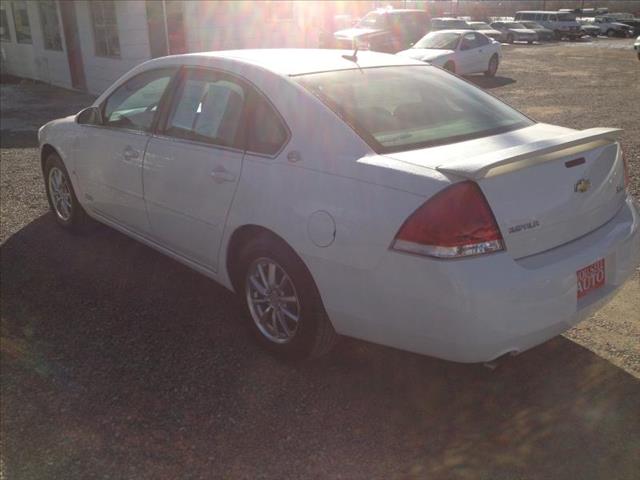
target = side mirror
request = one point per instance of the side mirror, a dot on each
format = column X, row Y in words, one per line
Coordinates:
column 89, row 116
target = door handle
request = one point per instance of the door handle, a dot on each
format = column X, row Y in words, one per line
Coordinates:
column 221, row 175
column 130, row 154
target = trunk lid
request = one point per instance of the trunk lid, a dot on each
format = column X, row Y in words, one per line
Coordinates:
column 546, row 185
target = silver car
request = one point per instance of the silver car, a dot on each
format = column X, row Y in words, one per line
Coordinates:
column 515, row 32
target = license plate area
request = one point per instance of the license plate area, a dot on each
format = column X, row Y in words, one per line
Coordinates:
column 590, row 278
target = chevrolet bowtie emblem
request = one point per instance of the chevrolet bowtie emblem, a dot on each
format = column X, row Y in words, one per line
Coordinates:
column 582, row 186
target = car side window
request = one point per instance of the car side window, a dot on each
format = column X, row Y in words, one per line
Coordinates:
column 134, row 104
column 481, row 40
column 468, row 41
column 266, row 133
column 208, row 107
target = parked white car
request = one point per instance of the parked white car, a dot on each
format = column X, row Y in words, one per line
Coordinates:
column 636, row 46
column 459, row 51
column 610, row 27
column 515, row 32
column 370, row 195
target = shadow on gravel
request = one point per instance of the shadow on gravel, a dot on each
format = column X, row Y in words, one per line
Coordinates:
column 118, row 362
column 488, row 83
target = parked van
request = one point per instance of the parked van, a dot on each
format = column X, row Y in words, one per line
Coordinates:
column 563, row 24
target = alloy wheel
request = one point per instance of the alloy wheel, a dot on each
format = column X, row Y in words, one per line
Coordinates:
column 273, row 300
column 60, row 194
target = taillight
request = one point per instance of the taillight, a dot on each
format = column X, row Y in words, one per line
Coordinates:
column 456, row 222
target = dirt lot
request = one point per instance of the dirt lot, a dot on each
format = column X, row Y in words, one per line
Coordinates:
column 120, row 363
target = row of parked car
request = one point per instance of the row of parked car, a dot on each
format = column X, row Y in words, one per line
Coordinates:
column 393, row 30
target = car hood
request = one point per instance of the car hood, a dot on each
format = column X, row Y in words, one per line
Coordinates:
column 356, row 32
column 425, row 54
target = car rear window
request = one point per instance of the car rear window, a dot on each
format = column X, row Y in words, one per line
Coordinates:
column 403, row 108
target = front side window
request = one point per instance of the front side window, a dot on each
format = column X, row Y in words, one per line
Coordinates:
column 409, row 107
column 134, row 104
column 482, row 40
column 208, row 108
column 105, row 28
column 50, row 25
column 468, row 41
column 5, row 36
column 21, row 22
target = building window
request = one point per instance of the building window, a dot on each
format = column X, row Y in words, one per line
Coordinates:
column 105, row 29
column 21, row 22
column 50, row 25
column 5, row 36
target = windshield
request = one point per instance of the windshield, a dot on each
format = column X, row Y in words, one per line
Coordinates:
column 480, row 26
column 514, row 25
column 373, row 20
column 566, row 17
column 451, row 24
column 438, row 40
column 409, row 107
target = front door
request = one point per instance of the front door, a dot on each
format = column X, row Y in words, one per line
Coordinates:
column 468, row 61
column 108, row 157
column 192, row 165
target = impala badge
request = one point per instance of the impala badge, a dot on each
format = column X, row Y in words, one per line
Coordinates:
column 582, row 186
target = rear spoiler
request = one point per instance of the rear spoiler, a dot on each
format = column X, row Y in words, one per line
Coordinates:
column 478, row 167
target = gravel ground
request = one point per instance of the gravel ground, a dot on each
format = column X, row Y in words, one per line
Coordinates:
column 120, row 363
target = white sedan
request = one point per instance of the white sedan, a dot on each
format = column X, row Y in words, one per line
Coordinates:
column 459, row 51
column 367, row 195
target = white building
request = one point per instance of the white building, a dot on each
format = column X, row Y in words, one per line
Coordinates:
column 87, row 45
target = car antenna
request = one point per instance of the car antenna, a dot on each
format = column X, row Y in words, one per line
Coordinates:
column 354, row 56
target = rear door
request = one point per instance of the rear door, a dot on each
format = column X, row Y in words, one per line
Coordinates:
column 192, row 164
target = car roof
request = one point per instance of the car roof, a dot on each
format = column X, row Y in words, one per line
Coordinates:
column 298, row 61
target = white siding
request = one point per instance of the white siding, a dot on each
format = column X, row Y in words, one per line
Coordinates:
column 32, row 60
column 101, row 72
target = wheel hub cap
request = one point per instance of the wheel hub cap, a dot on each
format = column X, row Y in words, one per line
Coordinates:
column 272, row 300
column 60, row 193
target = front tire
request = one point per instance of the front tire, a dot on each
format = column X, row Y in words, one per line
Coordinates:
column 62, row 199
column 611, row 33
column 492, row 68
column 285, row 311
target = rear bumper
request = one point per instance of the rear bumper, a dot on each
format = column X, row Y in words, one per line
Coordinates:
column 477, row 309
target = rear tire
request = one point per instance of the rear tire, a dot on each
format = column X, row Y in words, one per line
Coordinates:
column 611, row 33
column 63, row 202
column 276, row 286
